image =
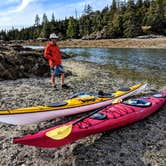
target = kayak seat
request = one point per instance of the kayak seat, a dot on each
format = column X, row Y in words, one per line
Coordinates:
column 137, row 103
column 124, row 89
column 98, row 116
column 85, row 98
column 159, row 95
column 57, row 104
column 105, row 95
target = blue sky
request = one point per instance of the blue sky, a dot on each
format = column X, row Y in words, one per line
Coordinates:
column 21, row 13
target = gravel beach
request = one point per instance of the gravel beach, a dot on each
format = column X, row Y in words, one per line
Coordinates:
column 142, row 143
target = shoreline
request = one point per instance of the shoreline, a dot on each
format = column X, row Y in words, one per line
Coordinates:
column 157, row 43
column 117, row 43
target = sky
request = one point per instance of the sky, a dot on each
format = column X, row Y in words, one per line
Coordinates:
column 21, row 13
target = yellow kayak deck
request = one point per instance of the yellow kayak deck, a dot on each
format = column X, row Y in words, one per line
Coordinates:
column 78, row 101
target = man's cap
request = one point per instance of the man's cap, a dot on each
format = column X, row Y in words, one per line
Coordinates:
column 53, row 36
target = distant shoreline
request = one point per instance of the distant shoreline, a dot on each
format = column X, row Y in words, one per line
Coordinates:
column 116, row 43
column 157, row 43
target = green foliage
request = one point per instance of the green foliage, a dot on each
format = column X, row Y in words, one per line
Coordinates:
column 116, row 28
column 118, row 20
column 71, row 29
column 131, row 25
column 156, row 17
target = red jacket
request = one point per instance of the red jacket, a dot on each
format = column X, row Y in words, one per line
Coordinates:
column 53, row 54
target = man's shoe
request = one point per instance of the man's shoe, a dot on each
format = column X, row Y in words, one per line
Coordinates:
column 64, row 86
column 54, row 87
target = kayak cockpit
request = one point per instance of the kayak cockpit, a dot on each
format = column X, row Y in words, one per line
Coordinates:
column 138, row 103
column 57, row 104
column 159, row 95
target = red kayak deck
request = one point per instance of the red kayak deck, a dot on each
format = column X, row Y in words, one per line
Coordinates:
column 111, row 117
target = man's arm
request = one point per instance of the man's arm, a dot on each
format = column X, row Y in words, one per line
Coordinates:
column 47, row 53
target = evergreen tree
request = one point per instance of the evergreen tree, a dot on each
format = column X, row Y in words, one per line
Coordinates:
column 53, row 18
column 45, row 19
column 71, row 29
column 156, row 17
column 37, row 20
column 96, row 21
column 140, row 12
column 131, row 27
column 113, row 6
column 105, row 16
column 116, row 28
column 87, row 9
column 53, row 24
column 139, row 4
column 45, row 27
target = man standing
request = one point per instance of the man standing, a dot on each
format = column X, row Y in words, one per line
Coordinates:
column 53, row 54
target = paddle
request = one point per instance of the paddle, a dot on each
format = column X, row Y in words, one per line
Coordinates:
column 63, row 131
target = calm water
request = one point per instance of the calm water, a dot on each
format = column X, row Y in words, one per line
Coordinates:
column 145, row 61
column 142, row 60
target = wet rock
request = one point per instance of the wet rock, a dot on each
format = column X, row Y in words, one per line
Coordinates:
column 20, row 48
column 19, row 62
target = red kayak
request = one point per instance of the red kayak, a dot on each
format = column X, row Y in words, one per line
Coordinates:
column 110, row 117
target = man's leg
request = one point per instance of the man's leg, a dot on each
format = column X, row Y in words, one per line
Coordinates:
column 53, row 81
column 62, row 82
column 62, row 79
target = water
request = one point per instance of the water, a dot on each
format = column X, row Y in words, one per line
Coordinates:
column 152, row 61
column 34, row 47
column 147, row 62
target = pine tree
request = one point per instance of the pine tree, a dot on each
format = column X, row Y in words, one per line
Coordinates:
column 139, row 4
column 37, row 20
column 53, row 18
column 45, row 27
column 105, row 16
column 71, row 29
column 113, row 6
column 87, row 9
column 96, row 21
column 53, row 24
column 139, row 12
column 156, row 17
column 132, row 28
column 116, row 28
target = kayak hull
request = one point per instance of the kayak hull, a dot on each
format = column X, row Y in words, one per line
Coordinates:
column 118, row 115
column 38, row 114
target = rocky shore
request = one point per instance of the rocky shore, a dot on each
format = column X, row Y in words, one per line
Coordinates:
column 19, row 62
column 142, row 143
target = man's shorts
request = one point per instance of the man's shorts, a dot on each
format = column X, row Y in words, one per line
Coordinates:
column 57, row 70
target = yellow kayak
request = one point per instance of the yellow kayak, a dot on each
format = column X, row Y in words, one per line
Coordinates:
column 77, row 104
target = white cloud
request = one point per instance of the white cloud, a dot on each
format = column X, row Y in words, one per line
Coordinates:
column 21, row 7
